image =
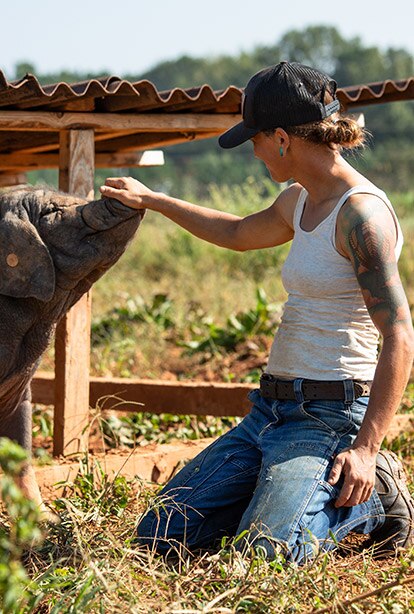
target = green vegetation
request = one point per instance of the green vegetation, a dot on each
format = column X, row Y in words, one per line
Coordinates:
column 90, row 563
column 19, row 532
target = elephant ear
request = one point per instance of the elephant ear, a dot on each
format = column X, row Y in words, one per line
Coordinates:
column 26, row 267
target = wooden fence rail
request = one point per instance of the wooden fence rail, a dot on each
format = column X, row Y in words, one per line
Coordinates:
column 157, row 396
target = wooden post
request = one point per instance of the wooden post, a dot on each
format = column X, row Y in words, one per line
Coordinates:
column 72, row 344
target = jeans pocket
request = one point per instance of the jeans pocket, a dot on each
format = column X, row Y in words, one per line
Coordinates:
column 332, row 490
column 333, row 416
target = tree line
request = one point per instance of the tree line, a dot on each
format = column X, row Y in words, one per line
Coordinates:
column 190, row 167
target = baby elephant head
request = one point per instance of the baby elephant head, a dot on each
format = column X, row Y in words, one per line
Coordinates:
column 52, row 242
column 26, row 267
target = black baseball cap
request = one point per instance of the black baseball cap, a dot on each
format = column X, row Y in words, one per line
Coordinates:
column 286, row 94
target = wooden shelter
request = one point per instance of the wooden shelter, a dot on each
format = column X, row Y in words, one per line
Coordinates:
column 111, row 123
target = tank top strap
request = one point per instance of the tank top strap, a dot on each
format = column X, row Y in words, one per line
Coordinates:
column 300, row 203
column 364, row 189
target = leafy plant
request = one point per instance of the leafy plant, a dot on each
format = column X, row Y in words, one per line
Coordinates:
column 260, row 320
column 143, row 427
column 16, row 589
column 134, row 310
column 94, row 491
column 42, row 421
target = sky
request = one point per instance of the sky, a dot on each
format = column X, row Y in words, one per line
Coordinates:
column 131, row 36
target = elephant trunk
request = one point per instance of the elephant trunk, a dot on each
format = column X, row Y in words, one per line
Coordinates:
column 101, row 215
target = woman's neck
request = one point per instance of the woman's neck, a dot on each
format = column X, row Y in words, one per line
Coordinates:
column 325, row 174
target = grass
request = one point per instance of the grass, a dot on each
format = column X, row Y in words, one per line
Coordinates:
column 90, row 564
column 177, row 308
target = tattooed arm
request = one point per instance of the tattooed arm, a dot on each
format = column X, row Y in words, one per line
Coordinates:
column 366, row 234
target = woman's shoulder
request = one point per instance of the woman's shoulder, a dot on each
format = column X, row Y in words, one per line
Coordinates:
column 367, row 211
column 287, row 200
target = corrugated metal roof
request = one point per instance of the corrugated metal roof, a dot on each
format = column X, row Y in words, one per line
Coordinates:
column 114, row 95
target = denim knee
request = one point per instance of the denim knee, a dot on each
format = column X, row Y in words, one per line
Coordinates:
column 161, row 531
column 148, row 533
column 271, row 548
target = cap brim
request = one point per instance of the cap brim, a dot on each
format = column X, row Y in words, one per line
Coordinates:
column 236, row 136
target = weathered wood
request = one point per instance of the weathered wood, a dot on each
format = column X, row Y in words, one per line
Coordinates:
column 148, row 141
column 9, row 179
column 102, row 160
column 152, row 463
column 106, row 142
column 129, row 159
column 39, row 142
column 39, row 121
column 157, row 396
column 72, row 345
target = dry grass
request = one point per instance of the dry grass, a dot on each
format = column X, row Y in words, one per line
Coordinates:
column 90, row 564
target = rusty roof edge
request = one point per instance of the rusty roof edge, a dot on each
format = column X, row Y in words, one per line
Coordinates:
column 164, row 96
column 111, row 85
column 376, row 90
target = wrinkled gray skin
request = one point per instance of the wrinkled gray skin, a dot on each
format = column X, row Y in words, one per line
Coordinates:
column 53, row 247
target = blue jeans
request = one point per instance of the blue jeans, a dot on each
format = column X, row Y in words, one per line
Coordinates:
column 267, row 479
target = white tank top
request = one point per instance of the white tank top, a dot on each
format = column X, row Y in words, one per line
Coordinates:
column 326, row 332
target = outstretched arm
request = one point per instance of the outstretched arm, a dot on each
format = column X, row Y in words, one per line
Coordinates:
column 367, row 234
column 263, row 229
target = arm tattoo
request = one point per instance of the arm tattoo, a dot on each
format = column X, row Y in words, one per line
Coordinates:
column 372, row 255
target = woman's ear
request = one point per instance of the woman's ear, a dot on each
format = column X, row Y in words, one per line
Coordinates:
column 26, row 267
column 282, row 139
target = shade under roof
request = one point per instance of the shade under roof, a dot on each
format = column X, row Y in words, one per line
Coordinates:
column 130, row 116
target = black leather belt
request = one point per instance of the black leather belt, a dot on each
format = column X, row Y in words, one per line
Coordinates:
column 273, row 388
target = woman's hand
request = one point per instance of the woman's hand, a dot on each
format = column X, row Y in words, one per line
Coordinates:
column 128, row 191
column 357, row 465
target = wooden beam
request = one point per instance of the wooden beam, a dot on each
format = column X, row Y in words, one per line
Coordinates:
column 72, row 345
column 38, row 142
column 151, row 463
column 157, row 396
column 9, row 179
column 148, row 141
column 102, row 160
column 129, row 159
column 39, row 121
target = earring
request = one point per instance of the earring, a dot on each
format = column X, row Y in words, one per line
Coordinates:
column 281, row 152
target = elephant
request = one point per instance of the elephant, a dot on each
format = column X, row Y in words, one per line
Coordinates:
column 53, row 247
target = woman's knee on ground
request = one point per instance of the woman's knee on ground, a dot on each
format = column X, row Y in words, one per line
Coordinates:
column 164, row 528
column 300, row 550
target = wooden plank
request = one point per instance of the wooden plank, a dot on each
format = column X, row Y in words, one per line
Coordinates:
column 152, row 463
column 131, row 159
column 39, row 121
column 38, row 142
column 149, row 141
column 157, row 396
column 126, row 140
column 72, row 344
column 9, row 179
